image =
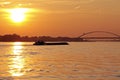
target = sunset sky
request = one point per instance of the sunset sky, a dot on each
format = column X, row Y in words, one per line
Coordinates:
column 58, row 17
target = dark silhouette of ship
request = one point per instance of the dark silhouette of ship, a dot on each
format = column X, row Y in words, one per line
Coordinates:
column 50, row 43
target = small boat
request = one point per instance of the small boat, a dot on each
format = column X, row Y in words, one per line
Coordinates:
column 50, row 43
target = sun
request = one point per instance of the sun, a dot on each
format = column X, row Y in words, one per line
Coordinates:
column 18, row 15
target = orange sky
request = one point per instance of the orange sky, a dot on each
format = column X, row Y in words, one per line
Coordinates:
column 61, row 17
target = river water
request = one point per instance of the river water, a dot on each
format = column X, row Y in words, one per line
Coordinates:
column 77, row 61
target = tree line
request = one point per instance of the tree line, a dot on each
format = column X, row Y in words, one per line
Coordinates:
column 15, row 37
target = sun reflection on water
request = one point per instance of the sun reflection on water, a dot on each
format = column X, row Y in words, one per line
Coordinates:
column 17, row 61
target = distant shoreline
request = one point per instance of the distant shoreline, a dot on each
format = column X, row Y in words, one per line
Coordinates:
column 18, row 38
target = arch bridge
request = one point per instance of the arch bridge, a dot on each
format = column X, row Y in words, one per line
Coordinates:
column 115, row 37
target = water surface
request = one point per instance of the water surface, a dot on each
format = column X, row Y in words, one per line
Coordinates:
column 77, row 61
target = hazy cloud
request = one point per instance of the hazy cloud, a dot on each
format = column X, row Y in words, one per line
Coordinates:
column 4, row 3
column 38, row 3
column 15, row 3
column 64, row 5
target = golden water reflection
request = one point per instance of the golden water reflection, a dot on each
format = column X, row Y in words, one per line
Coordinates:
column 17, row 61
